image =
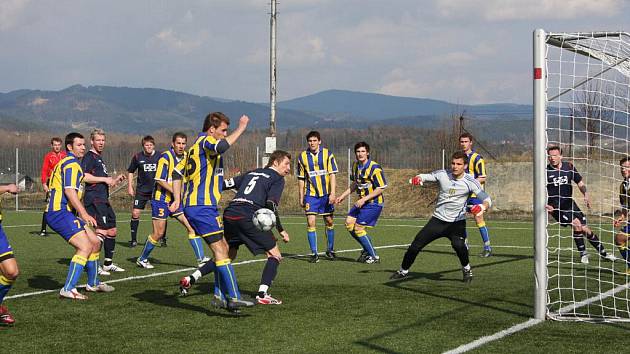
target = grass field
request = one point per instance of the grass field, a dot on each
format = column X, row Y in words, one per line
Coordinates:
column 340, row 306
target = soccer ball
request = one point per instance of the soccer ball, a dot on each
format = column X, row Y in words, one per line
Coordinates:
column 264, row 219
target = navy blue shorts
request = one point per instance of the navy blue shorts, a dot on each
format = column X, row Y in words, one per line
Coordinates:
column 240, row 230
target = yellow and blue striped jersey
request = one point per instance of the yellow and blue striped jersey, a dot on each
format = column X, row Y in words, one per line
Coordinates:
column 315, row 169
column 67, row 173
column 476, row 166
column 202, row 172
column 164, row 172
column 368, row 177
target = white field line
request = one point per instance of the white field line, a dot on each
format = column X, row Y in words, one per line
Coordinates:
column 152, row 275
column 301, row 223
column 301, row 217
column 235, row 263
column 532, row 322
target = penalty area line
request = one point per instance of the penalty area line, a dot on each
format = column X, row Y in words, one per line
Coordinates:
column 532, row 322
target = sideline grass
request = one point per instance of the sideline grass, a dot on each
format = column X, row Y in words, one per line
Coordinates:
column 328, row 307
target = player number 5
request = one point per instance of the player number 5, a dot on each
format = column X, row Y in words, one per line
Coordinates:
column 251, row 185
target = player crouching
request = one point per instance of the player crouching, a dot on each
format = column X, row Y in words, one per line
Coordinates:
column 260, row 188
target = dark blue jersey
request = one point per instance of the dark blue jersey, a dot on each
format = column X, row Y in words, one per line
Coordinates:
column 93, row 164
column 254, row 190
column 559, row 188
column 146, row 165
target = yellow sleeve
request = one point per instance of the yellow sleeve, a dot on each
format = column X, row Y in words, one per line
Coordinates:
column 481, row 168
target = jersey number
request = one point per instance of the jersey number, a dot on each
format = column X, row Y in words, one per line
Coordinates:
column 251, row 185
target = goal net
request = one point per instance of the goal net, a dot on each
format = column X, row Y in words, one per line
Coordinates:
column 581, row 105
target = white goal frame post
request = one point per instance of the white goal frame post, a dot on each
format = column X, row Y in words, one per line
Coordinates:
column 593, row 47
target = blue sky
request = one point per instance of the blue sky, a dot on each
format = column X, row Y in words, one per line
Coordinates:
column 465, row 52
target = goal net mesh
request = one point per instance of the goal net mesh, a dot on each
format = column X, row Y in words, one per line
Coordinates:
column 587, row 109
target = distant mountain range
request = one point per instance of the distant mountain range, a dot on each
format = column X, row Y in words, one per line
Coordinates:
column 373, row 106
column 142, row 110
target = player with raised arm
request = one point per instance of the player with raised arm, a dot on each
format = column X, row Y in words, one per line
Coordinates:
column 9, row 270
column 260, row 188
column 449, row 218
column 55, row 155
column 162, row 197
column 477, row 169
column 562, row 207
column 622, row 238
column 201, row 174
column 368, row 180
column 316, row 170
column 65, row 200
column 145, row 162
column 96, row 199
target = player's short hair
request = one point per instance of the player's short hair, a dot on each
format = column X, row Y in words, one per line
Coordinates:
column 95, row 132
column 148, row 139
column 70, row 139
column 554, row 147
column 313, row 133
column 277, row 155
column 362, row 144
column 179, row 135
column 55, row 139
column 460, row 155
column 215, row 119
column 624, row 160
column 466, row 135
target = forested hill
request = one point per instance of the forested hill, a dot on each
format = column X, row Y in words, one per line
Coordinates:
column 143, row 110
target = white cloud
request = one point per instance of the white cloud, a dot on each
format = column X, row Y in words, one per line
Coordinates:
column 174, row 42
column 303, row 51
column 506, row 10
column 10, row 11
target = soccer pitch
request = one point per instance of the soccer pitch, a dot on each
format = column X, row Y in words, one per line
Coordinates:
column 331, row 306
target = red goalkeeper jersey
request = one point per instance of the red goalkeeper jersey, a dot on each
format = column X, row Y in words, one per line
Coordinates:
column 50, row 160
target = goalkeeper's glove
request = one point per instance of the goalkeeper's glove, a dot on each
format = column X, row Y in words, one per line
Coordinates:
column 478, row 209
column 416, row 181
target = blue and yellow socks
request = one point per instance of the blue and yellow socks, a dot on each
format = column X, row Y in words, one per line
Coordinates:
column 485, row 236
column 74, row 272
column 197, row 246
column 148, row 247
column 330, row 236
column 366, row 242
column 227, row 278
column 311, row 233
column 5, row 286
column 92, row 269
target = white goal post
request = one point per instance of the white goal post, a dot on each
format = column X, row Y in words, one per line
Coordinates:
column 581, row 100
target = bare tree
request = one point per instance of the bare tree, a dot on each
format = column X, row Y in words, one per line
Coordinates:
column 592, row 114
